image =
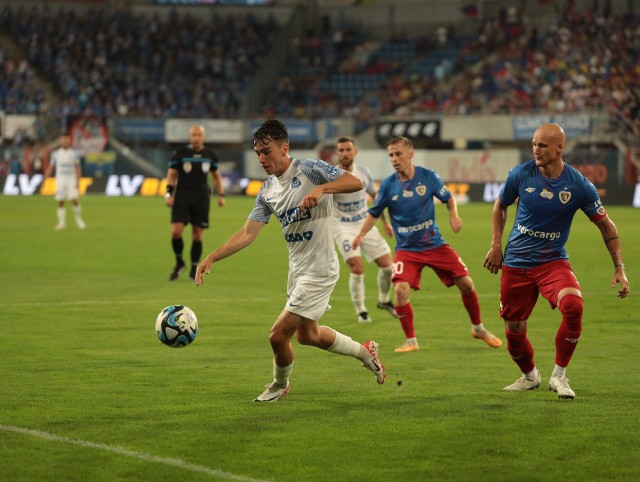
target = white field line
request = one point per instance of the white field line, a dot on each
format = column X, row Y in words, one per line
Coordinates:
column 130, row 453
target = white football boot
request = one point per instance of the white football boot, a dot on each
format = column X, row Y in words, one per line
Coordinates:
column 523, row 383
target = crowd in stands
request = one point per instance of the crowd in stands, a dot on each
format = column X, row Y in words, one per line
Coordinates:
column 305, row 89
column 582, row 61
column 122, row 64
column 315, row 56
column 125, row 64
column 20, row 92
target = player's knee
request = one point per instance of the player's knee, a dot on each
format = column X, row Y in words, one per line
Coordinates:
column 355, row 267
column 307, row 338
column 302, row 338
column 401, row 297
column 571, row 306
column 519, row 326
column 276, row 338
column 465, row 284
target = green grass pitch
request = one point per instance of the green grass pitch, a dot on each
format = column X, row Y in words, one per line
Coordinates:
column 89, row 394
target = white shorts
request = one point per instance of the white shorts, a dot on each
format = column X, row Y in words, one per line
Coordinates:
column 373, row 245
column 308, row 296
column 66, row 189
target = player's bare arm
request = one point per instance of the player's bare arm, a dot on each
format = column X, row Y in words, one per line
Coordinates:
column 388, row 229
column 454, row 219
column 493, row 259
column 612, row 242
column 344, row 184
column 217, row 182
column 239, row 240
column 172, row 180
column 369, row 223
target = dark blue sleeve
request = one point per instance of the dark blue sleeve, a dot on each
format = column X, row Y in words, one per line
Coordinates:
column 439, row 189
column 382, row 200
column 509, row 192
column 592, row 205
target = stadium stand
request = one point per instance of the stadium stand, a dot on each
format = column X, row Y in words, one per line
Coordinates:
column 125, row 64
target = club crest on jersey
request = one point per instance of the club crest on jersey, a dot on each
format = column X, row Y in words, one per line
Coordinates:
column 421, row 190
column 564, row 196
column 206, row 166
column 530, row 189
column 187, row 166
column 295, row 182
column 546, row 194
column 407, row 193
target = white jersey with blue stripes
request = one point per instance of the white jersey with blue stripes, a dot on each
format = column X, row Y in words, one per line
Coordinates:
column 352, row 207
column 65, row 162
column 307, row 232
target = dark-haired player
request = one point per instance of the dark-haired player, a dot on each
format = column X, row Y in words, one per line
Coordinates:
column 66, row 162
column 297, row 193
column 350, row 211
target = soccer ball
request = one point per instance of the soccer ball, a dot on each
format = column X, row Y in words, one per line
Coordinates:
column 176, row 326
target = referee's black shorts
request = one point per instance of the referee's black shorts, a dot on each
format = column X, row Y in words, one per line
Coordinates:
column 191, row 207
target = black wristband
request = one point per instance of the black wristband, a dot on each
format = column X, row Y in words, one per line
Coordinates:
column 169, row 189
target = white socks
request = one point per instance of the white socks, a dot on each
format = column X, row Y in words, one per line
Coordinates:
column 76, row 211
column 479, row 328
column 532, row 375
column 558, row 371
column 62, row 214
column 384, row 284
column 356, row 288
column 281, row 375
column 343, row 345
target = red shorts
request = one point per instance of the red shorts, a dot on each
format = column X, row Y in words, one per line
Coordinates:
column 519, row 287
column 408, row 265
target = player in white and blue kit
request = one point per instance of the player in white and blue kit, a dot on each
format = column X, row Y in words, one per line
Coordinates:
column 549, row 193
column 408, row 195
column 66, row 162
column 350, row 211
column 295, row 194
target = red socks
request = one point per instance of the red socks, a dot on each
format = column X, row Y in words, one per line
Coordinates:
column 520, row 350
column 570, row 328
column 472, row 305
column 405, row 314
column 567, row 336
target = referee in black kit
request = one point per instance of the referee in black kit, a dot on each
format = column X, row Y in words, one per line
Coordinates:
column 189, row 198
